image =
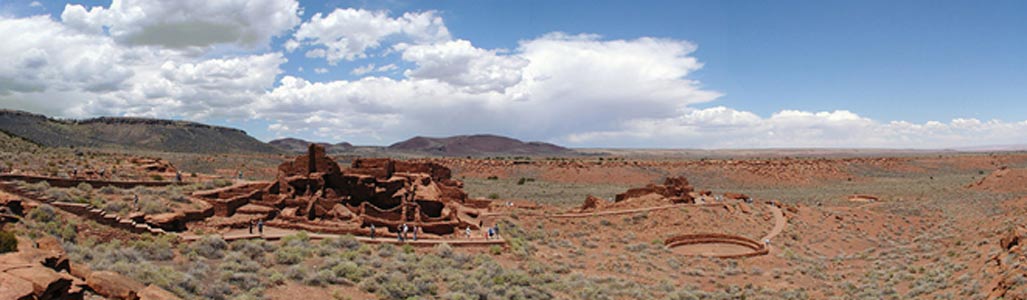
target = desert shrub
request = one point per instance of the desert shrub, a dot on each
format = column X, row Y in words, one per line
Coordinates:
column 346, row 269
column 108, row 190
column 297, row 273
column 237, row 262
column 216, row 290
column 253, row 249
column 153, row 207
column 85, row 187
column 348, row 242
column 60, row 195
column 444, row 250
column 116, row 207
column 8, row 243
column 157, row 177
column 495, row 250
column 210, row 246
column 155, row 248
column 291, row 255
column 245, row 281
column 220, row 183
column 44, row 213
column 37, row 187
column 386, row 250
column 493, row 196
column 408, row 249
column 521, row 181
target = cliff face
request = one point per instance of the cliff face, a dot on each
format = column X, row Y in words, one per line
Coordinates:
column 130, row 133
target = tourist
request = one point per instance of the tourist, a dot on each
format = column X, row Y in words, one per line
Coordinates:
column 766, row 242
column 415, row 232
column 178, row 176
column 240, row 175
column 405, row 230
column 135, row 202
column 488, row 234
column 495, row 229
column 372, row 231
column 102, row 171
column 399, row 233
column 74, row 172
column 260, row 226
column 468, row 232
column 251, row 226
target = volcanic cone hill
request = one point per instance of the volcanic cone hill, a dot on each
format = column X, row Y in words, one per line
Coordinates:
column 294, row 145
column 477, row 145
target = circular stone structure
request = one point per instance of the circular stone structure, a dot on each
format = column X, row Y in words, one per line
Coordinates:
column 716, row 245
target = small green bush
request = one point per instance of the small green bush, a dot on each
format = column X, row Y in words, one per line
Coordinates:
column 44, row 213
column 493, row 196
column 8, row 243
column 210, row 247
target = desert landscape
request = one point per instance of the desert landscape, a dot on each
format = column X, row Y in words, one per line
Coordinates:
column 493, row 150
column 127, row 222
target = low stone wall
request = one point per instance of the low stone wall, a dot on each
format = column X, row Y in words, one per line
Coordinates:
column 758, row 247
column 70, row 182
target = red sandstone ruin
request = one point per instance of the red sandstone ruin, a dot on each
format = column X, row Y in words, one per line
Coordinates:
column 312, row 192
column 676, row 189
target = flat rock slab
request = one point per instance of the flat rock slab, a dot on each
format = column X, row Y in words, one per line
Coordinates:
column 15, row 287
column 114, row 285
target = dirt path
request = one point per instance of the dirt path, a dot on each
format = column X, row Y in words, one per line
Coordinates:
column 606, row 213
column 273, row 233
column 779, row 223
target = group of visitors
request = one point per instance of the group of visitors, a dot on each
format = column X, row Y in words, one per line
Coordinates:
column 404, row 229
column 260, row 226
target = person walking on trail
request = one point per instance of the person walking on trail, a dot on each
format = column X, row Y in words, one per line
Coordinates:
column 178, row 176
column 260, row 226
column 766, row 242
column 399, row 233
column 239, row 175
column 468, row 232
column 251, row 226
column 488, row 234
column 415, row 232
column 372, row 231
column 135, row 202
column 495, row 229
column 74, row 172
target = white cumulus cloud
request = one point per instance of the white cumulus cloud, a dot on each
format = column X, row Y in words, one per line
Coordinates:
column 187, row 23
column 347, row 34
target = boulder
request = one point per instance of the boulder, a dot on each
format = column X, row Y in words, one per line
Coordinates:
column 80, row 270
column 153, row 292
column 114, row 285
column 46, row 284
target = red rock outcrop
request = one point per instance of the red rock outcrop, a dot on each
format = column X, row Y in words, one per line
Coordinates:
column 676, row 188
column 591, row 203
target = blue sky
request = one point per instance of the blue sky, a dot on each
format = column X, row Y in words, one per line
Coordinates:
column 881, row 73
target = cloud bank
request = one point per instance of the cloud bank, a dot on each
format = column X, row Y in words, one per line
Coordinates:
column 213, row 62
